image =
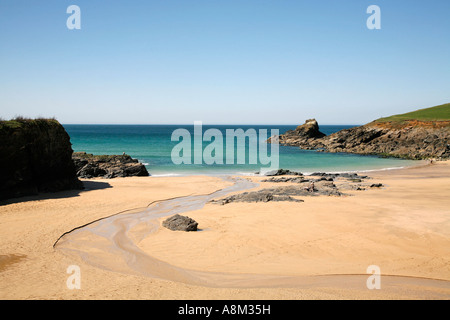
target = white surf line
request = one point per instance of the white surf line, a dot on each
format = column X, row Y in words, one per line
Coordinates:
column 108, row 244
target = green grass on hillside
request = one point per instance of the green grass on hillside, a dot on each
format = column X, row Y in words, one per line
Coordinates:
column 20, row 121
column 438, row 113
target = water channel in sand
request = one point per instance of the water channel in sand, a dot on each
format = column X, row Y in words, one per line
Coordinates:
column 111, row 244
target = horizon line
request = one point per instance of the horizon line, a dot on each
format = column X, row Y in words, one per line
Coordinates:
column 208, row 124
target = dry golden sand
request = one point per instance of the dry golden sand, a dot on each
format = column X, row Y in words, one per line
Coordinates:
column 403, row 228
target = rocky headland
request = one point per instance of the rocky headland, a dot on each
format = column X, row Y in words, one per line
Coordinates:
column 409, row 139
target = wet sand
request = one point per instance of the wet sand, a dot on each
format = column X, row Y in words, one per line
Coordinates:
column 318, row 249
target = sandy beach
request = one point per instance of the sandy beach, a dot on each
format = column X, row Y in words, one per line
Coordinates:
column 317, row 249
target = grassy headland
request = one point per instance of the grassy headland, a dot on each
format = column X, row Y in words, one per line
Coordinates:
column 437, row 113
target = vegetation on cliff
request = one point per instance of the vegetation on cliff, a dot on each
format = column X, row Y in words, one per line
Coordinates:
column 437, row 113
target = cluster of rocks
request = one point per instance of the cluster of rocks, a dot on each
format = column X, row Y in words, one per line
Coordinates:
column 408, row 139
column 347, row 175
column 322, row 176
column 286, row 193
column 264, row 195
column 107, row 166
column 315, row 184
column 321, row 186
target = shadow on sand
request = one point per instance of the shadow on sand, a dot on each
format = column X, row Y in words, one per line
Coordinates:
column 88, row 186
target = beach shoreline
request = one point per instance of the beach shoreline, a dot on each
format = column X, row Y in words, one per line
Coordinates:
column 304, row 240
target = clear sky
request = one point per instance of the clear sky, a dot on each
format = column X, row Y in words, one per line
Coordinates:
column 222, row 61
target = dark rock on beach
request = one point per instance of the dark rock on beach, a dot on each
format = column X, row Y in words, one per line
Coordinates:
column 264, row 195
column 287, row 193
column 286, row 179
column 35, row 156
column 107, row 166
column 376, row 185
column 339, row 175
column 180, row 223
column 322, row 176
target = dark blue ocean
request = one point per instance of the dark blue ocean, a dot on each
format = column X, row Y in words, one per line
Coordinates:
column 152, row 145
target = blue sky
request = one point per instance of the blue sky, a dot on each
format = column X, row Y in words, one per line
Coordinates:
column 222, row 61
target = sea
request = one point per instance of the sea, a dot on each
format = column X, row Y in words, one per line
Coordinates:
column 152, row 145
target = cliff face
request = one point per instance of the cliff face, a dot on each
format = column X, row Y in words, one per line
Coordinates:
column 406, row 139
column 35, row 156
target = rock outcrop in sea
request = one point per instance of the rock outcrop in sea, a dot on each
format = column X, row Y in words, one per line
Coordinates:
column 107, row 166
column 304, row 136
column 406, row 139
column 35, row 156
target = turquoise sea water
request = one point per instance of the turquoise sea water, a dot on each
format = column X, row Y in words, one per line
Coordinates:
column 152, row 145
